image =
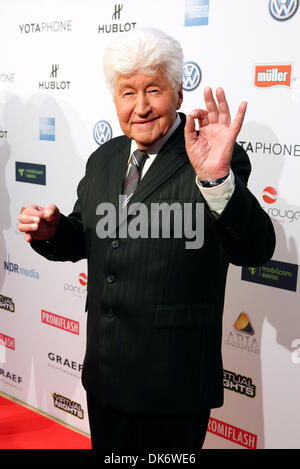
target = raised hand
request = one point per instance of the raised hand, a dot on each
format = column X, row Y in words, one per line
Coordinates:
column 210, row 151
column 39, row 222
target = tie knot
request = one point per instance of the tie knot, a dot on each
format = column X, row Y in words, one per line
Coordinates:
column 139, row 157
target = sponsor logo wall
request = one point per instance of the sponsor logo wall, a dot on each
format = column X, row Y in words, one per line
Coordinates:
column 55, row 111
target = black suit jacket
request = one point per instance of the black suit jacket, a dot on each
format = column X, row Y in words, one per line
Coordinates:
column 154, row 307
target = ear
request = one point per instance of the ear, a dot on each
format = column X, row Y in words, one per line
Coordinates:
column 179, row 96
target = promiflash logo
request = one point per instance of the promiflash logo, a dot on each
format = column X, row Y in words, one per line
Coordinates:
column 162, row 220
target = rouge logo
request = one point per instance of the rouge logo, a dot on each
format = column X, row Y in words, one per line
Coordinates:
column 272, row 75
column 82, row 279
column 269, row 195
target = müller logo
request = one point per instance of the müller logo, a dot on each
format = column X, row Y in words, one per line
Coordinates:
column 267, row 76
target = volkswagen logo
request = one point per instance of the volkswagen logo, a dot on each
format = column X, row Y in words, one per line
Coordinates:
column 191, row 76
column 282, row 10
column 102, row 132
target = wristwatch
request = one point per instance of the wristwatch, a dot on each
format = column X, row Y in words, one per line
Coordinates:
column 213, row 182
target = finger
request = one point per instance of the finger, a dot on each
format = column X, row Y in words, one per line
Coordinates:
column 239, row 118
column 27, row 227
column 224, row 112
column 190, row 133
column 49, row 212
column 33, row 210
column 201, row 115
column 25, row 218
column 211, row 106
column 28, row 237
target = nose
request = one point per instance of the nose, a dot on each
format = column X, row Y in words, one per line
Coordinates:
column 142, row 104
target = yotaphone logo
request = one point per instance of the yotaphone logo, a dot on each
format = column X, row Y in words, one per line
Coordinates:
column 272, row 75
column 269, row 195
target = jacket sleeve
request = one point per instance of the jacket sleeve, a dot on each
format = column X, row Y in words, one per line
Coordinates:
column 68, row 243
column 244, row 229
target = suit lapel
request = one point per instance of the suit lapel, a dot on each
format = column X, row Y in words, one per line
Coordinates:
column 169, row 159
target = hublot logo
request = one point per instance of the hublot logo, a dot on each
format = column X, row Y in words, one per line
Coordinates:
column 119, row 27
column 54, row 84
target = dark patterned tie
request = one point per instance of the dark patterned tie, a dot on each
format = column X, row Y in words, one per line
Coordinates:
column 134, row 174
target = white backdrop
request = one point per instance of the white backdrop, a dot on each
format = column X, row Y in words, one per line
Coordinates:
column 52, row 95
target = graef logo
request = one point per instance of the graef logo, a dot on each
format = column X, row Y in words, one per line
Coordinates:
column 229, row 432
column 273, row 274
column 269, row 195
column 282, row 10
column 47, row 129
column 267, row 76
column 102, row 132
column 66, row 364
column 117, row 12
column 196, row 12
column 67, row 405
column 116, row 27
column 191, row 76
column 10, row 377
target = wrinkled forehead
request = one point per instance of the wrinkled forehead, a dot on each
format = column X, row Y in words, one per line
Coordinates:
column 143, row 79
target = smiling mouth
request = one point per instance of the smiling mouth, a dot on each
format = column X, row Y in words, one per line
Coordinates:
column 149, row 121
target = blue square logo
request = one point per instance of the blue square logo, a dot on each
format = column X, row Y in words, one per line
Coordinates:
column 196, row 12
column 47, row 128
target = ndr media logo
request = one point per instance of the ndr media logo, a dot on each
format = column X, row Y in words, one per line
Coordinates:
column 102, row 132
column 191, row 76
column 282, row 10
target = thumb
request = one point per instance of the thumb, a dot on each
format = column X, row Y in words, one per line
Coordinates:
column 50, row 212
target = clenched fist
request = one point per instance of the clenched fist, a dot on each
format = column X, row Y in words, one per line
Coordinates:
column 39, row 222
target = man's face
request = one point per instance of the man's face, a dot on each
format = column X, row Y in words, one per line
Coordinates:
column 146, row 106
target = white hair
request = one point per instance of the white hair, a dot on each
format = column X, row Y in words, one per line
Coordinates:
column 145, row 50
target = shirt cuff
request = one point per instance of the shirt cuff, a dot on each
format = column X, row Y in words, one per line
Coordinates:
column 217, row 197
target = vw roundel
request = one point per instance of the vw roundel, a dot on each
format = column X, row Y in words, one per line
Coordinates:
column 282, row 10
column 102, row 132
column 191, row 76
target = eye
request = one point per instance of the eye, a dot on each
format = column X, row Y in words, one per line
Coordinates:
column 154, row 91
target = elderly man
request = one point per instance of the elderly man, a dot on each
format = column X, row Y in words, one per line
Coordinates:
column 153, row 366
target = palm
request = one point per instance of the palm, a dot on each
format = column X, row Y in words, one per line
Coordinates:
column 210, row 151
